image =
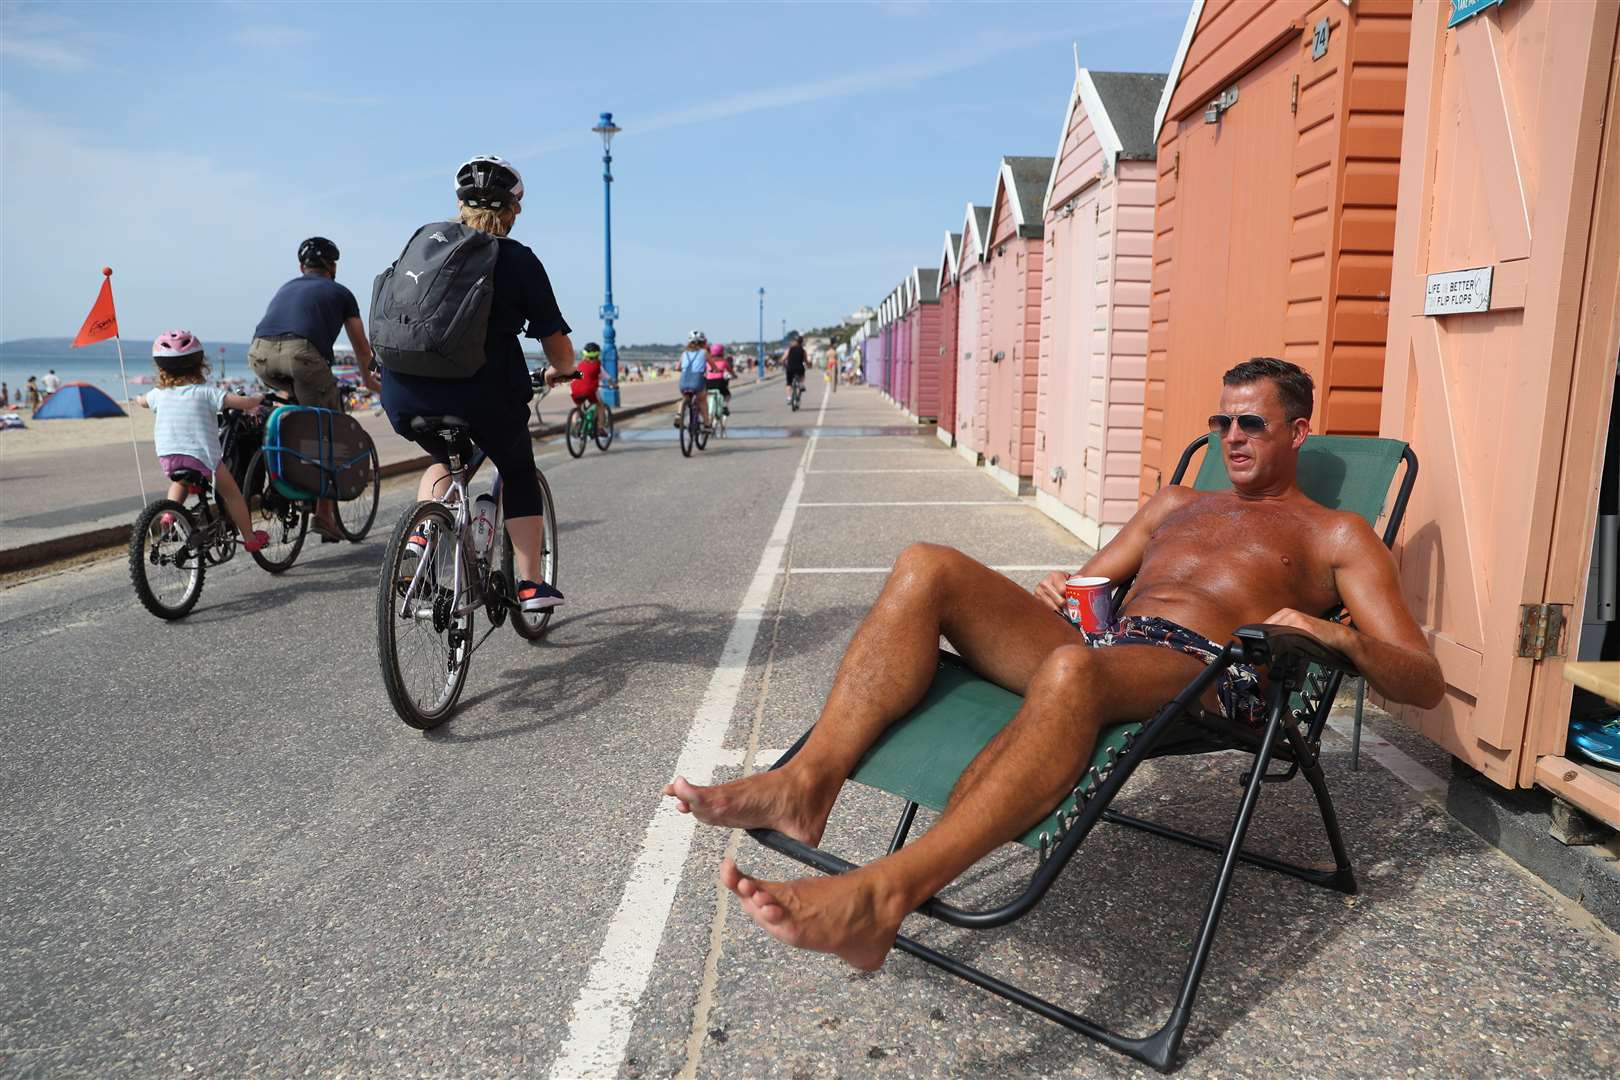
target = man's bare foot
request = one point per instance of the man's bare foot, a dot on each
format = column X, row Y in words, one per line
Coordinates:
column 769, row 800
column 842, row 915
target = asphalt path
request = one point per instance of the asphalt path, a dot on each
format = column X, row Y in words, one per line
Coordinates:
column 222, row 855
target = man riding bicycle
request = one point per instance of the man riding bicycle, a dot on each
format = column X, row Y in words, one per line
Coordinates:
column 292, row 345
column 793, row 364
column 494, row 400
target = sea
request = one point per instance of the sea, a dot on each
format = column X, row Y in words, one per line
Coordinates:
column 98, row 365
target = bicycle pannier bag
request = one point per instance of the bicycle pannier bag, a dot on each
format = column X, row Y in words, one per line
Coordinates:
column 317, row 453
column 430, row 309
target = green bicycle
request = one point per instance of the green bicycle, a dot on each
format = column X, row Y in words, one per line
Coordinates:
column 588, row 421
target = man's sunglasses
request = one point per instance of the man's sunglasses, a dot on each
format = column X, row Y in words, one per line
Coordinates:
column 1249, row 423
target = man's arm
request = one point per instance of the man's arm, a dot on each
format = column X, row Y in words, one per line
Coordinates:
column 559, row 350
column 1386, row 643
column 1122, row 556
column 362, row 350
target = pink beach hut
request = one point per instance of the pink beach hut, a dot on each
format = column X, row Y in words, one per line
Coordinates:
column 926, row 360
column 949, row 294
column 972, row 360
column 1012, row 261
column 1096, row 289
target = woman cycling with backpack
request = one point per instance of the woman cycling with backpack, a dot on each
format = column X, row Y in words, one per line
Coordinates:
column 494, row 399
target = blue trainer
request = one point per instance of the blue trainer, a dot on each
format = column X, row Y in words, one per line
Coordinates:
column 1598, row 739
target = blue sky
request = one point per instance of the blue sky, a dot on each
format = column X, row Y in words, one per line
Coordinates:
column 819, row 150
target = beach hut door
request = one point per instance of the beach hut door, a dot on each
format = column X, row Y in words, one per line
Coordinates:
column 1498, row 170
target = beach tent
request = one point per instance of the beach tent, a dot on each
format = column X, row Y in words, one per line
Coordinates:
column 77, row 401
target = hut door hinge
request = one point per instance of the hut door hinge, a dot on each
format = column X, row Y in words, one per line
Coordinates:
column 1541, row 630
column 1293, row 97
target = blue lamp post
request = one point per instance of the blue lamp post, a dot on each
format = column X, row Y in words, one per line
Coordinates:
column 606, row 128
column 761, row 332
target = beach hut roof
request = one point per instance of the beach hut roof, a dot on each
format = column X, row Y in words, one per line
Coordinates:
column 1175, row 68
column 1120, row 106
column 951, row 256
column 1024, row 181
column 975, row 233
column 924, row 285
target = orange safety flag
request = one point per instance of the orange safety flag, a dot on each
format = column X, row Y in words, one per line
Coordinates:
column 102, row 322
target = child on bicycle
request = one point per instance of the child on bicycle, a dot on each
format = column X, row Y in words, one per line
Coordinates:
column 590, row 378
column 717, row 375
column 694, row 377
column 186, row 431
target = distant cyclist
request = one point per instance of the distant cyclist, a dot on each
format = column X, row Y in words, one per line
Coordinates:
column 694, row 370
column 292, row 345
column 494, row 400
column 793, row 364
column 717, row 375
column 590, row 376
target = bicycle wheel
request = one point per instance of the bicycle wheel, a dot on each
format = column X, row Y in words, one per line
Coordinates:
column 532, row 627
column 717, row 414
column 574, row 432
column 689, row 420
column 700, row 433
column 356, row 516
column 604, row 427
column 165, row 565
column 422, row 645
column 286, row 520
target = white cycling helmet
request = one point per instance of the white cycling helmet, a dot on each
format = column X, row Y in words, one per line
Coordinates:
column 697, row 335
column 487, row 182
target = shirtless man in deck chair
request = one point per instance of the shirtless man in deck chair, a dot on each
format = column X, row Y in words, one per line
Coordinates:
column 1204, row 564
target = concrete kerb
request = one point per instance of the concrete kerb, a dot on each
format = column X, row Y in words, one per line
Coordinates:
column 45, row 552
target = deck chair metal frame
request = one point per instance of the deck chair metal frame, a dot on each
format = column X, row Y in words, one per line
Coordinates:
column 1303, row 679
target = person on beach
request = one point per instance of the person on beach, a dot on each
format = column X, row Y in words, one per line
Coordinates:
column 31, row 389
column 292, row 345
column 1203, row 563
column 495, row 399
column 186, row 428
column 50, row 383
column 5, row 395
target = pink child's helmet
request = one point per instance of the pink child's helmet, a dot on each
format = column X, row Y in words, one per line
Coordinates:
column 177, row 350
column 717, row 350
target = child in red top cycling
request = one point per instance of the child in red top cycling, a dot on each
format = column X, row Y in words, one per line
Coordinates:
column 717, row 375
column 589, row 367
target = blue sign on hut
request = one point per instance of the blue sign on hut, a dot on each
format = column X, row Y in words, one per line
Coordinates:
column 77, row 401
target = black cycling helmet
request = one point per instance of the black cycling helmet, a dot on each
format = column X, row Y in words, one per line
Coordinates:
column 488, row 183
column 318, row 251
column 795, row 337
column 591, row 349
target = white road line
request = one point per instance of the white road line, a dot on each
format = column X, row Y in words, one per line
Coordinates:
column 923, row 502
column 886, row 569
column 1406, row 769
column 603, row 1013
column 850, row 472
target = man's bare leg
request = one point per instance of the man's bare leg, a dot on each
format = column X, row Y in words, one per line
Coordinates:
column 1002, row 631
column 1021, row 775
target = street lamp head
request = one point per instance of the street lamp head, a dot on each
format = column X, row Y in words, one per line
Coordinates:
column 606, row 128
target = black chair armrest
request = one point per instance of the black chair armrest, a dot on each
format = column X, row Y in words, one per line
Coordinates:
column 1273, row 645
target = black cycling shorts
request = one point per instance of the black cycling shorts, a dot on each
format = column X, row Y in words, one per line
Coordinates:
column 510, row 450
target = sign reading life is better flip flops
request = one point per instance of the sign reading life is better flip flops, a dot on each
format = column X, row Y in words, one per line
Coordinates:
column 1458, row 292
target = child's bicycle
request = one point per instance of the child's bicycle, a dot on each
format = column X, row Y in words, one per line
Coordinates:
column 717, row 414
column 588, row 421
column 432, row 590
column 692, row 430
column 174, row 543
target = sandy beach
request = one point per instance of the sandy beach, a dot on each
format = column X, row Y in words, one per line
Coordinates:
column 54, row 436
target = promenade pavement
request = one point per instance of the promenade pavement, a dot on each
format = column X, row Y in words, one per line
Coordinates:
column 224, row 856
column 49, row 494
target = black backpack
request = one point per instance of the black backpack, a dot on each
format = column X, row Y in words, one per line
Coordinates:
column 430, row 309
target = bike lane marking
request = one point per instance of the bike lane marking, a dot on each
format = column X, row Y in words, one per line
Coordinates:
column 604, row 1011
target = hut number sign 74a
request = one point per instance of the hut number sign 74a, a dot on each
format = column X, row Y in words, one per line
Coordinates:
column 1458, row 292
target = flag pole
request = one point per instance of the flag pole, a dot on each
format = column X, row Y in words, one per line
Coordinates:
column 129, row 403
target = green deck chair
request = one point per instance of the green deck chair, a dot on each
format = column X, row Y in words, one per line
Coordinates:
column 921, row 756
